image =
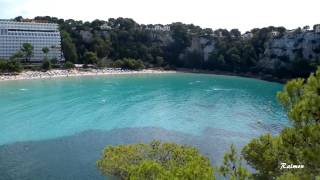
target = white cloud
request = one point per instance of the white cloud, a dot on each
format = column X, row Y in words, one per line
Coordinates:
column 242, row 14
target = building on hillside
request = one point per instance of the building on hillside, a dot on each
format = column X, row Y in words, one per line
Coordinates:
column 14, row 34
column 305, row 28
column 217, row 34
column 158, row 28
column 162, row 28
column 105, row 27
column 247, row 35
column 275, row 33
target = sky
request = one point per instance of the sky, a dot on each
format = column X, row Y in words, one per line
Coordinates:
column 242, row 14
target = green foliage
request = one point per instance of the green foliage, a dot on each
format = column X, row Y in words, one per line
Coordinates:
column 159, row 61
column 105, row 63
column 193, row 59
column 181, row 41
column 232, row 167
column 69, row 65
column 118, row 63
column 263, row 154
column 101, row 64
column 46, row 65
column 149, row 169
column 45, row 50
column 101, row 47
column 14, row 66
column 10, row 66
column 128, row 63
column 54, row 61
column 235, row 33
column 3, row 65
column 132, row 64
column 90, row 58
column 27, row 50
column 288, row 176
column 17, row 55
column 155, row 161
column 232, row 53
column 69, row 49
column 302, row 100
column 18, row 18
column 298, row 144
column 301, row 67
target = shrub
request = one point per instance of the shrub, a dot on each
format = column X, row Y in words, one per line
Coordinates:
column 132, row 64
column 101, row 63
column 90, row 58
column 128, row 63
column 69, row 65
column 155, row 161
column 3, row 65
column 35, row 68
column 168, row 67
column 118, row 63
column 10, row 66
column 159, row 61
column 46, row 65
column 14, row 66
column 54, row 61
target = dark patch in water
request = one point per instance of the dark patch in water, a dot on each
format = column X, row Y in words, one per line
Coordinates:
column 216, row 132
column 273, row 128
column 74, row 157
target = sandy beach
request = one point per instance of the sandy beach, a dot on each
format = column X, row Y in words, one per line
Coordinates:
column 27, row 75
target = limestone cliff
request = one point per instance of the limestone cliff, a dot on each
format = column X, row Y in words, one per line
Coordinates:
column 278, row 50
column 282, row 50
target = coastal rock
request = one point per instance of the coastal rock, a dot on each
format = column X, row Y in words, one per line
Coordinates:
column 288, row 45
column 202, row 45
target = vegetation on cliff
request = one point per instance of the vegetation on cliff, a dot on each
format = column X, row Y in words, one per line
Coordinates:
column 189, row 46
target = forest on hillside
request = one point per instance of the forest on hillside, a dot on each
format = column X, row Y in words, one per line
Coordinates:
column 270, row 51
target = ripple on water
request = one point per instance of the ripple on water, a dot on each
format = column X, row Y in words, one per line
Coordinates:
column 23, row 89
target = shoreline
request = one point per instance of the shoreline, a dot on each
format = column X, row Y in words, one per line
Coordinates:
column 56, row 73
column 247, row 75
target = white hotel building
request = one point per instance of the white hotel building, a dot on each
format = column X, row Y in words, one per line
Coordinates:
column 14, row 34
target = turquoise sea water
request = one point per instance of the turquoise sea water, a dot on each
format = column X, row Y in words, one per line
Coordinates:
column 52, row 128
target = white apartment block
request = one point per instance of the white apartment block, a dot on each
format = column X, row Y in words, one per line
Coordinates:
column 14, row 34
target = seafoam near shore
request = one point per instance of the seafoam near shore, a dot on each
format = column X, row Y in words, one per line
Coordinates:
column 25, row 75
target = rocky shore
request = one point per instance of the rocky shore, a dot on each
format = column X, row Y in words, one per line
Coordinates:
column 25, row 75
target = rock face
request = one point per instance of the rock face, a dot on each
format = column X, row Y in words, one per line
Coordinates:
column 290, row 44
column 278, row 50
column 86, row 36
column 164, row 37
column 202, row 45
column 284, row 49
column 207, row 50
